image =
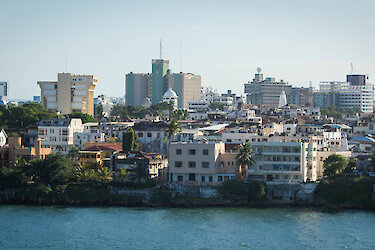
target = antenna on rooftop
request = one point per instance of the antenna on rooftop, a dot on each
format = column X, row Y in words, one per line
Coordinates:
column 259, row 70
column 310, row 84
column 181, row 57
column 161, row 50
column 352, row 67
column 66, row 61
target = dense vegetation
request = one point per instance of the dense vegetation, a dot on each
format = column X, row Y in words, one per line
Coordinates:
column 342, row 190
column 254, row 190
column 18, row 118
column 159, row 109
column 84, row 117
column 337, row 113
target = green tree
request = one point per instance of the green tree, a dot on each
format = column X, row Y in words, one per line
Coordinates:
column 105, row 174
column 129, row 140
column 173, row 129
column 55, row 169
column 351, row 166
column 334, row 165
column 257, row 191
column 74, row 155
column 122, row 175
column 244, row 159
column 216, row 106
column 84, row 117
column 98, row 111
column 140, row 172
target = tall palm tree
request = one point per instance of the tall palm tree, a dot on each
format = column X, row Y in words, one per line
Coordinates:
column 244, row 159
column 173, row 129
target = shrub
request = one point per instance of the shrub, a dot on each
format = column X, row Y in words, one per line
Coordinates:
column 233, row 187
column 161, row 197
column 257, row 191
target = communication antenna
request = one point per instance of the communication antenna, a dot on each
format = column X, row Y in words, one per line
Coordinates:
column 352, row 67
column 66, row 61
column 181, row 57
column 259, row 70
column 161, row 50
column 310, row 84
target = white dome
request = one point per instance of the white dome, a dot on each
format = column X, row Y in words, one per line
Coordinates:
column 282, row 100
column 170, row 94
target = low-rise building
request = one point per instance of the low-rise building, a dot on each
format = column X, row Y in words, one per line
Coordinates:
column 57, row 134
column 196, row 164
column 152, row 136
column 157, row 164
column 95, row 154
column 14, row 150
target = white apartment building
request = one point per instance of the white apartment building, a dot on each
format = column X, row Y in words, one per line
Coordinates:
column 152, row 136
column 71, row 93
column 351, row 96
column 58, row 134
column 3, row 138
column 80, row 138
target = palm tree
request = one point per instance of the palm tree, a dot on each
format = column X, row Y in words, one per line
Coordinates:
column 173, row 129
column 105, row 173
column 140, row 171
column 74, row 155
column 244, row 159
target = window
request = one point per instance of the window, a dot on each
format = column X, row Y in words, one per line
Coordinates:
column 178, row 164
column 178, row 151
column 191, row 151
column 205, row 151
column 210, row 178
column 140, row 134
column 192, row 164
column 226, row 178
column 205, row 164
column 149, row 135
column 191, row 177
column 220, row 178
column 203, row 178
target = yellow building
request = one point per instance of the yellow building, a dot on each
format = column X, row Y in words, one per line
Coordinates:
column 93, row 156
column 71, row 93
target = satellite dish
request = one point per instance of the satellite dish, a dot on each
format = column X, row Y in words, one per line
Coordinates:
column 259, row 70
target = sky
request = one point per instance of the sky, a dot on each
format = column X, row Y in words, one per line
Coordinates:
column 223, row 41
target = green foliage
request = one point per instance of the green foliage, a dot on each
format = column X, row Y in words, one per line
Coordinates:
column 254, row 190
column 174, row 128
column 337, row 113
column 334, row 165
column 98, row 111
column 86, row 174
column 16, row 118
column 161, row 198
column 11, row 177
column 55, row 169
column 129, row 140
column 244, row 158
column 140, row 172
column 233, row 187
column 346, row 191
column 140, row 112
column 86, row 192
column 180, row 115
column 133, row 185
column 84, row 117
column 257, row 191
column 216, row 106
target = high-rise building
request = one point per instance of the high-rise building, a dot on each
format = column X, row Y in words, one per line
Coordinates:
column 138, row 88
column 71, row 93
column 186, row 85
column 345, row 95
column 159, row 70
column 3, row 90
column 153, row 86
column 356, row 79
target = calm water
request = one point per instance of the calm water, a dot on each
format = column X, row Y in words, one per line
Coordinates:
column 176, row 228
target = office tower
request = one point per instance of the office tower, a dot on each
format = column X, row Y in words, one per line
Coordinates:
column 186, row 85
column 3, row 91
column 71, row 93
column 356, row 79
column 346, row 96
column 137, row 88
column 159, row 70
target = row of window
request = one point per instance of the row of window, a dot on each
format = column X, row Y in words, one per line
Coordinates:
column 191, row 152
column 192, row 164
column 192, row 177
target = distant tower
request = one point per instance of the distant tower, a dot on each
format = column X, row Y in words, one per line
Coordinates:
column 282, row 100
column 171, row 96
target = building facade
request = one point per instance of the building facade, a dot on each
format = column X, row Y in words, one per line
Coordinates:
column 57, row 134
column 71, row 93
column 3, row 91
column 159, row 70
column 138, row 88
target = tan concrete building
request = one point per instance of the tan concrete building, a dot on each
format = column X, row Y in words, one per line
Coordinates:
column 71, row 93
column 197, row 164
column 15, row 150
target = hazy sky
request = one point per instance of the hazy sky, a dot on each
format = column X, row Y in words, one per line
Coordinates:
column 224, row 41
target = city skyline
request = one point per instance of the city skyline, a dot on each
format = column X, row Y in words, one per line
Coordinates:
column 309, row 41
